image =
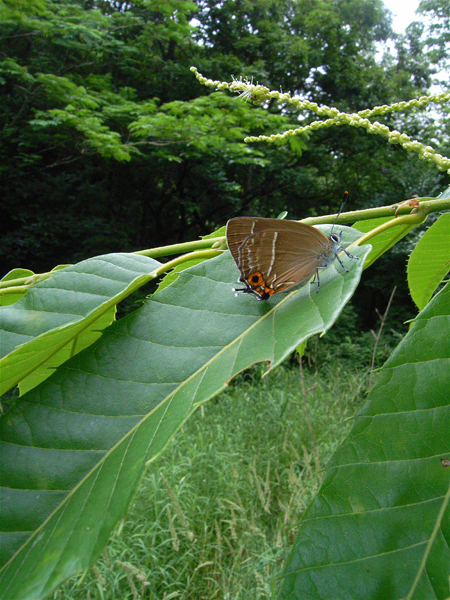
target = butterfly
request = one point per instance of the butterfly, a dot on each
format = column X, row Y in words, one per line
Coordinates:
column 274, row 255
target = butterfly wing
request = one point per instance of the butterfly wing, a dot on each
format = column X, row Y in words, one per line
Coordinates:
column 274, row 255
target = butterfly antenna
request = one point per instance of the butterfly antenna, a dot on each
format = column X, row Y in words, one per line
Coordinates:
column 344, row 200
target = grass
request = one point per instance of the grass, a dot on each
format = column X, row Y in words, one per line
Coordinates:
column 215, row 516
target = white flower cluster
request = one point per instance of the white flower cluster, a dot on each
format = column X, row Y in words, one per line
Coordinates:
column 259, row 94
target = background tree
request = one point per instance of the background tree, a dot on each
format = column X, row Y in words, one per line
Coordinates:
column 438, row 38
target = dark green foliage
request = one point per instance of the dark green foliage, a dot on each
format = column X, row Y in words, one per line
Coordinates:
column 321, row 49
column 438, row 41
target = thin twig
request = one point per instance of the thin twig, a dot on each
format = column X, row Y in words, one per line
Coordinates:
column 311, row 434
column 378, row 335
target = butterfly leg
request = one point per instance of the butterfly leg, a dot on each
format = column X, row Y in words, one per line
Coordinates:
column 350, row 255
column 341, row 263
column 316, row 276
column 246, row 290
column 261, row 293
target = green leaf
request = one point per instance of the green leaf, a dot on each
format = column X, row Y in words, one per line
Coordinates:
column 16, row 8
column 379, row 528
column 11, row 293
column 87, row 337
column 10, row 298
column 445, row 193
column 74, row 449
column 173, row 274
column 382, row 242
column 218, row 233
column 297, row 144
column 17, row 274
column 66, row 311
column 301, row 348
column 429, row 261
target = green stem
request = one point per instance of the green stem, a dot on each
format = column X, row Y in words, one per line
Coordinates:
column 426, row 204
column 14, row 290
column 408, row 217
column 203, row 254
column 180, row 248
column 416, row 217
column 27, row 281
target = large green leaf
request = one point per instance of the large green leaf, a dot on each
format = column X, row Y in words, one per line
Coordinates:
column 14, row 294
column 429, row 261
column 382, row 242
column 62, row 315
column 445, row 193
column 74, row 449
column 379, row 528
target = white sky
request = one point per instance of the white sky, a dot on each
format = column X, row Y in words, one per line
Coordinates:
column 403, row 13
